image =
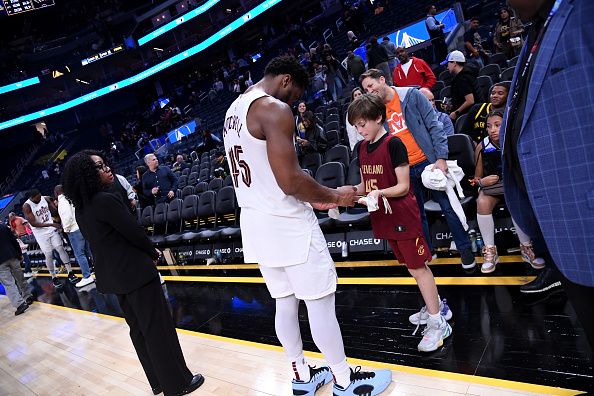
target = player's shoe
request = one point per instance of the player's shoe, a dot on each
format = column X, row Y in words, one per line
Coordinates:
column 318, row 377
column 436, row 331
column 365, row 383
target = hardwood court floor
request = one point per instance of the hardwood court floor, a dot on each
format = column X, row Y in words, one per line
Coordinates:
column 51, row 350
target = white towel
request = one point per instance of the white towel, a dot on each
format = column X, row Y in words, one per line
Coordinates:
column 436, row 180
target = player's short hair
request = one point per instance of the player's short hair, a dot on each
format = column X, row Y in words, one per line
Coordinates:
column 288, row 65
column 372, row 73
column 366, row 107
column 33, row 192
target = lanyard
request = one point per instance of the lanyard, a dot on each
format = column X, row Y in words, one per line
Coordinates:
column 532, row 54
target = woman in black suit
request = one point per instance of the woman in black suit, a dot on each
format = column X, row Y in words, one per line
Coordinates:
column 125, row 265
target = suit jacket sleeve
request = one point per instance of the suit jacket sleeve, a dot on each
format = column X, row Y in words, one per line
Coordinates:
column 436, row 132
column 111, row 210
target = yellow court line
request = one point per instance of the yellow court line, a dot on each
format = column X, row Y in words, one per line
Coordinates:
column 395, row 281
column 495, row 382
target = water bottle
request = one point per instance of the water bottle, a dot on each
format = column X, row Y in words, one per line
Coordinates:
column 472, row 237
column 345, row 251
column 479, row 242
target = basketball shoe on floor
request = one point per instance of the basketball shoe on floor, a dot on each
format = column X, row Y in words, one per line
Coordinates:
column 490, row 259
column 436, row 331
column 529, row 256
column 365, row 383
column 318, row 377
column 421, row 317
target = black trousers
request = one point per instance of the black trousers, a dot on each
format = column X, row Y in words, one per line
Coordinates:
column 152, row 331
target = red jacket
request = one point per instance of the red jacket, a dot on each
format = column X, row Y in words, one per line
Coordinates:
column 419, row 74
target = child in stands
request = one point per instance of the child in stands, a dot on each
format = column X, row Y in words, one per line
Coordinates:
column 488, row 177
column 385, row 180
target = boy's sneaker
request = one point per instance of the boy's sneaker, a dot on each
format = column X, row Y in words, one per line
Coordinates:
column 318, row 377
column 468, row 260
column 365, row 383
column 490, row 259
column 529, row 256
column 436, row 331
column 421, row 317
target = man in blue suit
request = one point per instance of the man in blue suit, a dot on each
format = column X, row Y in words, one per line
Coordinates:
column 548, row 147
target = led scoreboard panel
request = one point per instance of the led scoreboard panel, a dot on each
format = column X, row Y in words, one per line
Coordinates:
column 13, row 7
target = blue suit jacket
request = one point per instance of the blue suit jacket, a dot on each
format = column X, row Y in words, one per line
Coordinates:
column 556, row 143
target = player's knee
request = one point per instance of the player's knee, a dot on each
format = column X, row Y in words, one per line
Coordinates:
column 418, row 272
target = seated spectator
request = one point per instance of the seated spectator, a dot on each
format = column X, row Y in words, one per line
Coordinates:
column 355, row 66
column 143, row 200
column 488, row 177
column 464, row 87
column 442, row 118
column 299, row 128
column 351, row 131
column 508, row 34
column 475, row 124
column 412, row 71
column 158, row 181
column 473, row 44
column 180, row 164
column 315, row 139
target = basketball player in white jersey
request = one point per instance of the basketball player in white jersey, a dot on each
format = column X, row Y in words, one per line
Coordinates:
column 280, row 230
column 38, row 211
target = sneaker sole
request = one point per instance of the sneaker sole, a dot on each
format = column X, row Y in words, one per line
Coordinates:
column 549, row 287
column 535, row 266
column 327, row 379
column 490, row 270
column 469, row 266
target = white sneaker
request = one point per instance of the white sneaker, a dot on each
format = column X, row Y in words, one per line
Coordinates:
column 161, row 279
column 421, row 317
column 27, row 274
column 490, row 259
column 436, row 331
column 85, row 281
column 529, row 256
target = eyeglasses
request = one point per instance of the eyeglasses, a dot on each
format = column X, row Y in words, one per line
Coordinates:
column 101, row 166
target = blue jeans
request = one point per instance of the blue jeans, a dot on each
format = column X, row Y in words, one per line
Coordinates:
column 459, row 234
column 80, row 246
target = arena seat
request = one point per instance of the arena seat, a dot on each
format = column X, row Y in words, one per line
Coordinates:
column 513, row 61
column 195, row 168
column 228, row 181
column 356, row 216
column 446, row 77
column 460, row 123
column 436, row 90
column 338, row 153
column 205, row 214
column 185, row 171
column 159, row 224
column 182, row 181
column 491, row 70
column 200, row 188
column 146, row 219
column 227, row 211
column 215, row 184
column 484, row 84
column 445, row 93
column 508, row 74
column 498, row 59
column 331, row 175
column 204, row 175
column 312, row 162
column 188, row 220
column 187, row 190
column 332, row 137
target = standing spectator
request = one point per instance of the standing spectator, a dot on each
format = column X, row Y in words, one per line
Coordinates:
column 351, row 130
column 355, row 66
column 548, row 172
column 411, row 118
column 436, row 34
column 488, row 177
column 473, row 43
column 299, row 127
column 315, row 139
column 125, row 265
column 353, row 40
column 80, row 246
column 391, row 50
column 377, row 58
column 443, row 118
column 334, row 81
column 412, row 71
column 464, row 87
column 158, row 181
column 143, row 200
column 11, row 275
column 475, row 124
column 508, row 34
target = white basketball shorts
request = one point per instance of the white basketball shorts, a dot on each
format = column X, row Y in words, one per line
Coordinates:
column 50, row 241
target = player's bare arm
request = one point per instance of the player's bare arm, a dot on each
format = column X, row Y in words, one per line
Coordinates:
column 272, row 120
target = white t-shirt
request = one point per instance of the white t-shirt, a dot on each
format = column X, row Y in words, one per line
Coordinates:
column 406, row 66
column 276, row 228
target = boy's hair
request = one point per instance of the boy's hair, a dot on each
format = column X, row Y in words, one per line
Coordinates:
column 366, row 107
column 495, row 113
column 503, row 84
column 288, row 65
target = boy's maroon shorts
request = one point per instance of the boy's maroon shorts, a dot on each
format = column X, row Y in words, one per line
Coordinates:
column 413, row 253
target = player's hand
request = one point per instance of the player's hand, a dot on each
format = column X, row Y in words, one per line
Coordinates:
column 57, row 226
column 154, row 190
column 489, row 180
column 170, row 194
column 347, row 195
column 375, row 194
column 323, row 206
column 442, row 165
column 362, row 201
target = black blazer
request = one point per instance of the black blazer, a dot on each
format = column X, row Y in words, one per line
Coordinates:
column 122, row 253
